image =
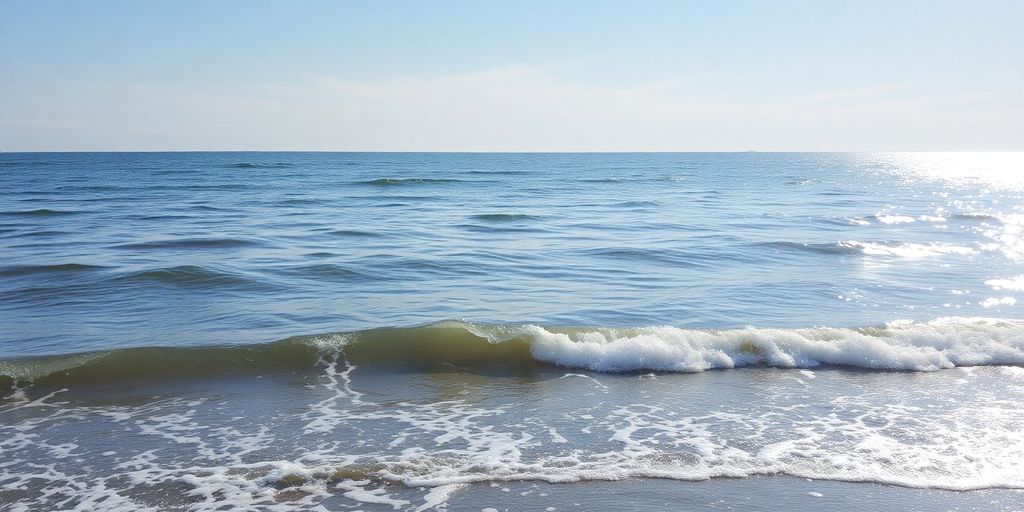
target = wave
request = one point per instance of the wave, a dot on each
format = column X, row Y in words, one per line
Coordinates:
column 603, row 180
column 892, row 219
column 505, row 217
column 74, row 280
column 890, row 249
column 982, row 217
column 457, row 345
column 896, row 219
column 820, row 248
column 637, row 204
column 387, row 182
column 192, row 275
column 153, row 363
column 68, row 268
column 332, row 273
column 354, row 233
column 191, row 243
column 674, row 257
column 855, row 221
column 501, row 172
column 507, row 227
column 906, row 250
column 40, row 212
column 35, row 234
column 250, row 165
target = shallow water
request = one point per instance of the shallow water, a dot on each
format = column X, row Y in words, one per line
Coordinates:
column 185, row 331
column 402, row 437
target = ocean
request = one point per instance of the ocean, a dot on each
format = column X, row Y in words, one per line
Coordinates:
column 433, row 331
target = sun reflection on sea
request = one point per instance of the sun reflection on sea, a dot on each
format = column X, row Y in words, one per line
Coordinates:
column 1001, row 170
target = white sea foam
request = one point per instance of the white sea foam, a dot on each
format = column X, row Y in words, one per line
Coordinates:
column 655, row 442
column 894, row 219
column 328, row 344
column 355, row 490
column 992, row 302
column 437, row 498
column 907, row 250
column 907, row 219
column 941, row 343
column 1015, row 283
column 871, row 435
column 848, row 426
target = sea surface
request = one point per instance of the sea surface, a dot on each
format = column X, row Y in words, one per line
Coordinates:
column 428, row 331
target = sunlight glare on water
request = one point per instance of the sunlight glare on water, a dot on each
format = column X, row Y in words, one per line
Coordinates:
column 1002, row 170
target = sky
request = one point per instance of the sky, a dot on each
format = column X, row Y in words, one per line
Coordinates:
column 557, row 75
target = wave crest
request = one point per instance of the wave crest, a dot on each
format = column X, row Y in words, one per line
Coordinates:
column 463, row 346
column 907, row 346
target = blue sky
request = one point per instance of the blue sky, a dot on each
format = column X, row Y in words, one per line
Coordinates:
column 512, row 76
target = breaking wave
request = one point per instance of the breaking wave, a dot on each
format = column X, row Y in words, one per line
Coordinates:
column 897, row 346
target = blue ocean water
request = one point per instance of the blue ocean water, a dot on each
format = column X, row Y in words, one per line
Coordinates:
column 113, row 250
column 337, row 331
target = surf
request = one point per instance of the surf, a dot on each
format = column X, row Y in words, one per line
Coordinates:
column 461, row 346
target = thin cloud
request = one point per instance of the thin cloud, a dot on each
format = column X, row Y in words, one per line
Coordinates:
column 515, row 108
